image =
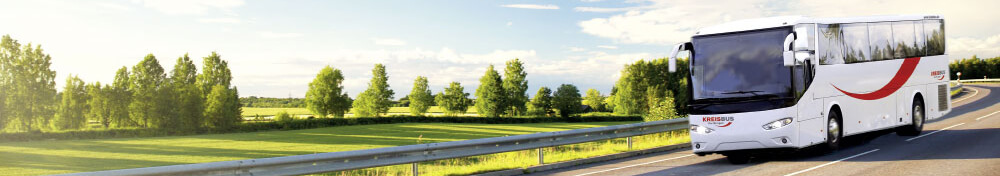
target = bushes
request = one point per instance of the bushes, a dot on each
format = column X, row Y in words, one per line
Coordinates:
column 293, row 124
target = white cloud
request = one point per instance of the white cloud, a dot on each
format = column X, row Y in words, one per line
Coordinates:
column 662, row 22
column 510, row 23
column 192, row 7
column 388, row 41
column 576, row 49
column 532, row 6
column 965, row 47
column 115, row 6
column 275, row 35
column 220, row 20
column 604, row 10
column 591, row 0
column 607, row 46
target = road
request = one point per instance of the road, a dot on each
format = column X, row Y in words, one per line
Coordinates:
column 964, row 142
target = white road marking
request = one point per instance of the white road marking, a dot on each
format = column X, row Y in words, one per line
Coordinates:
column 651, row 162
column 832, row 162
column 973, row 95
column 953, row 126
column 987, row 115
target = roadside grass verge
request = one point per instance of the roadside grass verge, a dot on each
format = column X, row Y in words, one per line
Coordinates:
column 68, row 156
column 525, row 158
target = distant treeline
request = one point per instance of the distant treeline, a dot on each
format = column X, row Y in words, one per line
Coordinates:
column 975, row 68
column 267, row 102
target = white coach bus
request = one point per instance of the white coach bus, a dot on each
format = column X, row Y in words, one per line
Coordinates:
column 793, row 82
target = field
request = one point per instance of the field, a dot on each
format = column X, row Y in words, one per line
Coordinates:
column 251, row 112
column 54, row 157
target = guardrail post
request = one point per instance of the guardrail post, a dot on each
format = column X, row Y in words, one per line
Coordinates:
column 541, row 157
column 415, row 172
column 629, row 140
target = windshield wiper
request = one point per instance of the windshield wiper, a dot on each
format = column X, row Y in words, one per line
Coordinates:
column 754, row 92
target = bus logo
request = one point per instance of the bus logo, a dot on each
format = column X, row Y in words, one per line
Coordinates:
column 939, row 75
column 902, row 75
column 718, row 121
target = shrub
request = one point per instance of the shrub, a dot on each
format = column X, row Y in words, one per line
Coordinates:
column 661, row 110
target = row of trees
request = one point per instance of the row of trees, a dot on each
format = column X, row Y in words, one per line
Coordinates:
column 144, row 98
column 496, row 96
column 267, row 102
column 975, row 68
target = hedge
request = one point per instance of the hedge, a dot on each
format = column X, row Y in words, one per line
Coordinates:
column 294, row 125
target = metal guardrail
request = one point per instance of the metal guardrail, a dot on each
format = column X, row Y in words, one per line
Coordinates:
column 348, row 160
column 978, row 80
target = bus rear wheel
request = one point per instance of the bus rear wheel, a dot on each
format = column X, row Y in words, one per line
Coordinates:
column 917, row 126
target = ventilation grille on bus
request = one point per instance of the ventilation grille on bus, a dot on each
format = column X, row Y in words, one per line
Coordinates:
column 942, row 99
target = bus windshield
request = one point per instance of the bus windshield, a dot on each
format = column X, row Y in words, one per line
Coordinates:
column 743, row 66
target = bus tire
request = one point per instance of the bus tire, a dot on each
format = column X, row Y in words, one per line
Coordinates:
column 834, row 131
column 918, row 116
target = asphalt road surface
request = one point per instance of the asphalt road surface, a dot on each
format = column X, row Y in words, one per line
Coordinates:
column 964, row 142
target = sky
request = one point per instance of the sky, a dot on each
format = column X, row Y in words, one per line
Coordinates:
column 275, row 48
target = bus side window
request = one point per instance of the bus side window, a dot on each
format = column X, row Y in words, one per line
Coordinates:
column 831, row 44
column 880, row 35
column 921, row 49
column 934, row 32
column 856, row 43
column 904, row 35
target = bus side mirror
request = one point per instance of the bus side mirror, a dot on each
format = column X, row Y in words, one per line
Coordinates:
column 672, row 60
column 787, row 52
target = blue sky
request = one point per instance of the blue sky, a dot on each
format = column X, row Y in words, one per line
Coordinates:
column 275, row 48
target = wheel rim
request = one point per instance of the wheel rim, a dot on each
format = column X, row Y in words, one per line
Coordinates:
column 834, row 129
column 918, row 116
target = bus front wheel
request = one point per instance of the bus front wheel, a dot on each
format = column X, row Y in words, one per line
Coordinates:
column 833, row 132
column 917, row 126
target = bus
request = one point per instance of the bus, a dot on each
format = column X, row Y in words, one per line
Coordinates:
column 787, row 83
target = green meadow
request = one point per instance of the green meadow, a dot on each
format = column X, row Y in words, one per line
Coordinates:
column 67, row 156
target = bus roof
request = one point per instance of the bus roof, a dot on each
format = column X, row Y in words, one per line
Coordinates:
column 770, row 22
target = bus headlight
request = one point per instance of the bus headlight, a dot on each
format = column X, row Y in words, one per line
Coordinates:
column 778, row 123
column 701, row 129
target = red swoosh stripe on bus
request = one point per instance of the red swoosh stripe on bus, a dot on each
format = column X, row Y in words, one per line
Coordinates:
column 902, row 75
column 727, row 124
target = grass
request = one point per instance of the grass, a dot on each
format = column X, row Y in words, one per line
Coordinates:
column 67, row 156
column 250, row 112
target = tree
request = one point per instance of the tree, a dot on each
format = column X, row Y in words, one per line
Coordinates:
column 454, row 100
column 222, row 109
column 214, row 71
column 222, row 103
column 147, row 85
column 642, row 82
column 515, row 86
column 566, row 100
column 326, row 94
column 420, row 97
column 541, row 105
column 28, row 86
column 119, row 98
column 594, row 99
column 377, row 98
column 188, row 98
column 490, row 94
column 98, row 103
column 72, row 107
